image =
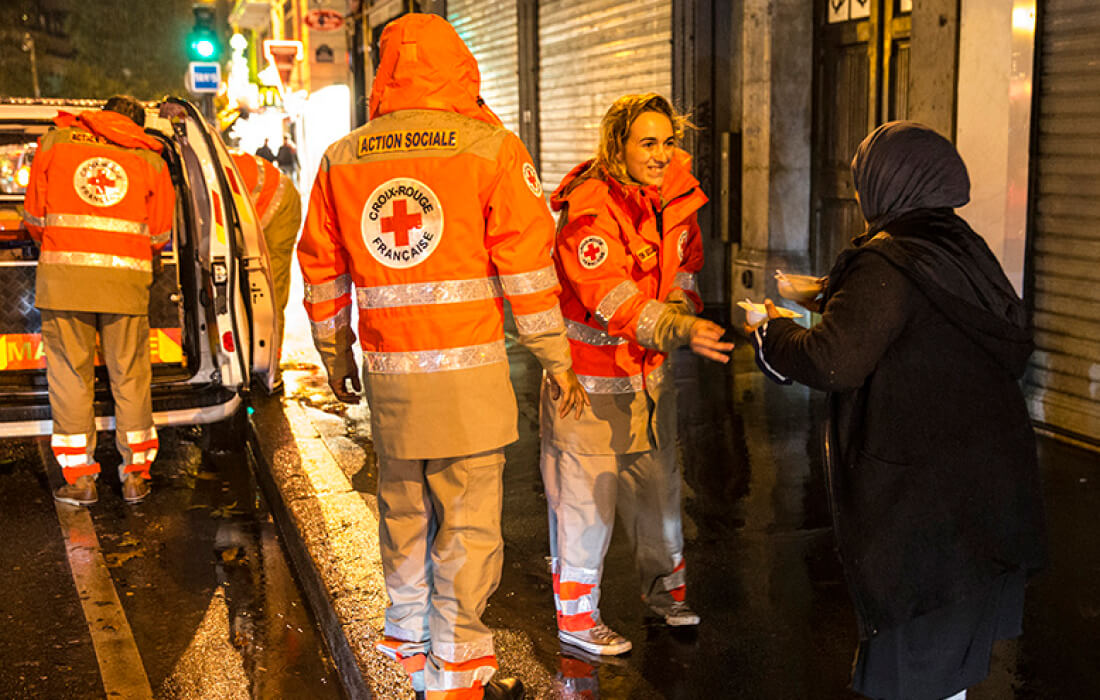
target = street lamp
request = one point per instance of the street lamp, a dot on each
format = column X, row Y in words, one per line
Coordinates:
column 28, row 46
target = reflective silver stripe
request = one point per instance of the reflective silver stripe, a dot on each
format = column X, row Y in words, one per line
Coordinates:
column 276, row 199
column 458, row 680
column 685, row 281
column 579, row 575
column 541, row 322
column 33, row 220
column 134, row 437
column 614, row 299
column 611, row 385
column 584, row 604
column 647, row 322
column 67, row 461
column 419, row 361
column 63, row 440
column 589, row 335
column 117, row 262
column 161, row 237
column 457, row 652
column 97, row 223
column 420, row 293
column 622, row 385
column 260, row 177
column 674, row 580
column 657, row 376
column 326, row 330
column 529, row 282
column 327, row 291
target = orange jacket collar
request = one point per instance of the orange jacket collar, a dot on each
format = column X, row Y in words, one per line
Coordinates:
column 425, row 65
column 112, row 126
column 678, row 180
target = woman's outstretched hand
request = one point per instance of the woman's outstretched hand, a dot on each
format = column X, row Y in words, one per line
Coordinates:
column 706, row 341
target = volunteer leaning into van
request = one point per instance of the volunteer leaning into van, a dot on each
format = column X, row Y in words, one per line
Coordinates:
column 100, row 202
column 279, row 207
column 627, row 249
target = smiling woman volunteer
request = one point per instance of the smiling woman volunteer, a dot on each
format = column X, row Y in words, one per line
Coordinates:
column 627, row 249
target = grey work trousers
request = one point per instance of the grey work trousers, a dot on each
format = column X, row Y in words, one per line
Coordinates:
column 583, row 493
column 440, row 539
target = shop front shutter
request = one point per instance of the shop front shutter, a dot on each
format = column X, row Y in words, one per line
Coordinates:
column 1063, row 382
column 591, row 52
column 489, row 28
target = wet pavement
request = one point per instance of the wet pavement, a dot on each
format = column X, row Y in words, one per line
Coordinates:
column 777, row 622
column 198, row 600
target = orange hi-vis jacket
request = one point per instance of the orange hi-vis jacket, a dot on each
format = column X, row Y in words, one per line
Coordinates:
column 100, row 202
column 627, row 257
column 434, row 213
column 265, row 183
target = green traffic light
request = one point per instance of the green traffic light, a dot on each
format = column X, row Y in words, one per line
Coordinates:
column 204, row 48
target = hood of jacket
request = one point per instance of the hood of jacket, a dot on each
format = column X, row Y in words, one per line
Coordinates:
column 583, row 190
column 112, row 126
column 425, row 65
column 954, row 268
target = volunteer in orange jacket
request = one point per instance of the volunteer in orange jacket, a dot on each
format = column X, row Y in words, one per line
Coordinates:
column 279, row 207
column 100, row 203
column 433, row 212
column 628, row 248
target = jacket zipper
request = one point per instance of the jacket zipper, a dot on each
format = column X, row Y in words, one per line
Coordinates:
column 661, row 212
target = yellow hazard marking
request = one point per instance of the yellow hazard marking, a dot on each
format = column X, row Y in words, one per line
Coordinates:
column 394, row 141
column 27, row 351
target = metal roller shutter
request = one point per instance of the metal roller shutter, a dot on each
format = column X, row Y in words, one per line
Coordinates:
column 489, row 28
column 1063, row 382
column 591, row 52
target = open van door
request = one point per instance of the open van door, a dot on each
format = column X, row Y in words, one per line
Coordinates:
column 232, row 257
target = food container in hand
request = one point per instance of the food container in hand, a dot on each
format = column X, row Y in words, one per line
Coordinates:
column 798, row 288
column 756, row 314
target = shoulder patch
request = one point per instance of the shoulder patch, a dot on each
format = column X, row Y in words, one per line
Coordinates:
column 401, row 141
column 532, row 179
column 402, row 222
column 592, row 252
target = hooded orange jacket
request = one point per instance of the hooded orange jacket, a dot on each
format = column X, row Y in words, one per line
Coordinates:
column 435, row 214
column 100, row 201
column 628, row 257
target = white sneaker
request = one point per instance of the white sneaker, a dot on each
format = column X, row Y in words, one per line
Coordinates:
column 679, row 615
column 600, row 639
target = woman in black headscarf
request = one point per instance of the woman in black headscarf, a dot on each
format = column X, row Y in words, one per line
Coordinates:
column 931, row 464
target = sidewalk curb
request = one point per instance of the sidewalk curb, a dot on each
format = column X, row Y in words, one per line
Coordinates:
column 332, row 540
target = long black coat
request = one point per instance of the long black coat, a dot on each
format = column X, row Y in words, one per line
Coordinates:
column 933, row 475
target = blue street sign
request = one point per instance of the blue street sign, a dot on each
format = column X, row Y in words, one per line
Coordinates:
column 203, row 76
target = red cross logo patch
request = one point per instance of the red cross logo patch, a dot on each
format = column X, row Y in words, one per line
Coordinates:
column 100, row 182
column 402, row 222
column 532, row 179
column 592, row 252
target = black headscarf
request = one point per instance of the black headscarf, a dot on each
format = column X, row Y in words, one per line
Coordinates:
column 905, row 166
column 909, row 180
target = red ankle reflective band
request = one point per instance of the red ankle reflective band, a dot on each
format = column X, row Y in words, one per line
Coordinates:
column 142, row 469
column 147, row 445
column 678, row 594
column 572, row 590
column 71, row 474
column 413, row 663
column 576, row 623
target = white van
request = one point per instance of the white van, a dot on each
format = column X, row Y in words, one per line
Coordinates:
column 211, row 311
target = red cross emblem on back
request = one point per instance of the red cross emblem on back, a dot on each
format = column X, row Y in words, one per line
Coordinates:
column 101, row 181
column 401, row 222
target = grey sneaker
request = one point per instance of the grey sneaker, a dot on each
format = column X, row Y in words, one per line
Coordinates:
column 135, row 488
column 80, row 493
column 678, row 615
column 600, row 639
